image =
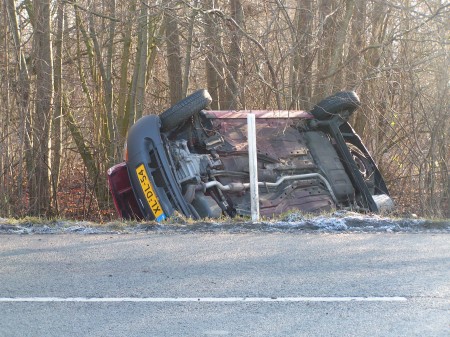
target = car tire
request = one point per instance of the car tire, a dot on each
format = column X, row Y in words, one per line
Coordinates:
column 342, row 101
column 184, row 109
column 364, row 165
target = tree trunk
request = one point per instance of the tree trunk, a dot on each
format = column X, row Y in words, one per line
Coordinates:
column 137, row 90
column 22, row 98
column 357, row 38
column 214, row 51
column 143, row 56
column 173, row 57
column 334, row 81
column 187, row 62
column 326, row 27
column 372, row 59
column 301, row 61
column 40, row 176
column 57, row 110
column 234, row 56
column 104, row 67
column 123, row 108
column 6, row 184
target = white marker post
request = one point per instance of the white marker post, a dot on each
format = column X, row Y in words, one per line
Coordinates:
column 253, row 167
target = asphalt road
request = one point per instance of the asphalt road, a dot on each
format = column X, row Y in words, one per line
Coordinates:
column 294, row 284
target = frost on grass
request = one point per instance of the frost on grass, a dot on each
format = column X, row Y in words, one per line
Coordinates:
column 337, row 222
column 350, row 221
column 42, row 226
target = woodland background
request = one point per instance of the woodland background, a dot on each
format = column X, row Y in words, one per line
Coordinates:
column 74, row 75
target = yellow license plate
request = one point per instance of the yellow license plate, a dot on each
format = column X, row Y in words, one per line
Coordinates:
column 149, row 193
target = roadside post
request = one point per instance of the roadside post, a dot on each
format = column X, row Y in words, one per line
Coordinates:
column 253, row 167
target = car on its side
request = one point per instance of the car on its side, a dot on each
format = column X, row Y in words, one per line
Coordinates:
column 195, row 161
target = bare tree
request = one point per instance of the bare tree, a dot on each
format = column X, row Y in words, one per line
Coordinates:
column 303, row 55
column 57, row 106
column 214, row 51
column 43, row 64
column 136, row 99
column 22, row 98
column 174, row 71
column 234, row 56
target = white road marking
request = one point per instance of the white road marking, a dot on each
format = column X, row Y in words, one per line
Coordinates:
column 202, row 299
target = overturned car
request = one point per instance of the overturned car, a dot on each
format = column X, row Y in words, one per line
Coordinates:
column 195, row 161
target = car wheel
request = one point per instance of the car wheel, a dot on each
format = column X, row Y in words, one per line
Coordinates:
column 180, row 112
column 364, row 166
column 342, row 101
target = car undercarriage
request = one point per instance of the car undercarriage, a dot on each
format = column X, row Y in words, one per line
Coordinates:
column 195, row 162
